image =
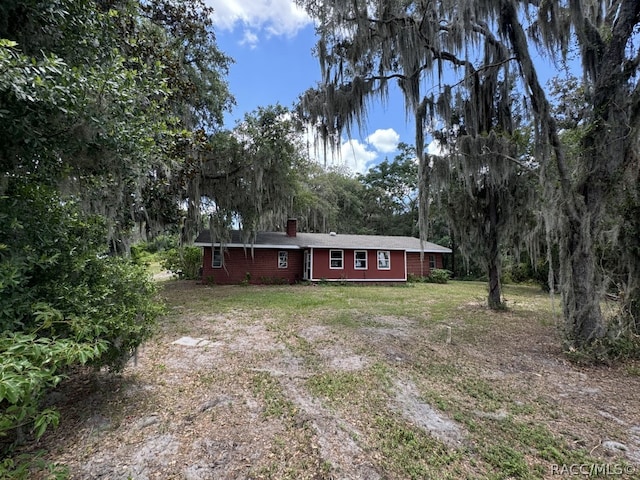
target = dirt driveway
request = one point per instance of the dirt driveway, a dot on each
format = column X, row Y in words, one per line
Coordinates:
column 238, row 392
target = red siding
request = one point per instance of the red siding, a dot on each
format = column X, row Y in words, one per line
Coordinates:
column 421, row 269
column 322, row 271
column 262, row 267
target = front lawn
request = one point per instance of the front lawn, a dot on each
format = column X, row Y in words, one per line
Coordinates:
column 332, row 381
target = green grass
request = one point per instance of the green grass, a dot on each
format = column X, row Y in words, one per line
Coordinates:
column 435, row 302
column 276, row 404
column 508, row 423
column 409, row 451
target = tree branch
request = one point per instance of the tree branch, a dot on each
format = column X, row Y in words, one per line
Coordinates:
column 539, row 102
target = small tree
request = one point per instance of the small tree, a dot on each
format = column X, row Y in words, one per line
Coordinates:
column 486, row 178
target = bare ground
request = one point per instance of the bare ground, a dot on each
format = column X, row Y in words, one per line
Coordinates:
column 239, row 404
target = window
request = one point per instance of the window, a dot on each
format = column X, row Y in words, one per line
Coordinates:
column 432, row 262
column 384, row 260
column 360, row 260
column 216, row 260
column 283, row 259
column 336, row 259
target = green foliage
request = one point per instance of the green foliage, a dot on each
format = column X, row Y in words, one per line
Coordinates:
column 390, row 195
column 517, row 273
column 439, row 275
column 110, row 100
column 251, row 173
column 524, row 272
column 185, row 262
column 617, row 345
column 99, row 100
column 161, row 243
column 145, row 253
column 29, row 365
column 24, row 466
column 63, row 303
column 140, row 255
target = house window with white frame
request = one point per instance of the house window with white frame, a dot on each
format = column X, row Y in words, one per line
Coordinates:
column 283, row 259
column 336, row 259
column 360, row 260
column 432, row 262
column 384, row 260
column 216, row 257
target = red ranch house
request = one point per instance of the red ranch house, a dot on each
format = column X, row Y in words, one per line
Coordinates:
column 290, row 257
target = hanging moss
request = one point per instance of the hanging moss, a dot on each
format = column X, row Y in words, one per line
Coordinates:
column 476, row 42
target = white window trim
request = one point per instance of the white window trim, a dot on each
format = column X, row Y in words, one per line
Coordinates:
column 432, row 258
column 388, row 258
column 341, row 267
column 355, row 260
column 213, row 256
column 283, row 265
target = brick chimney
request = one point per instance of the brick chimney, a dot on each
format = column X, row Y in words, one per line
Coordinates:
column 292, row 227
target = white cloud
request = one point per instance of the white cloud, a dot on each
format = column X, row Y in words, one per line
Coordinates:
column 384, row 140
column 436, row 148
column 249, row 38
column 356, row 157
column 276, row 17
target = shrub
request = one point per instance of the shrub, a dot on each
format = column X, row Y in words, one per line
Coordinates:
column 274, row 281
column 162, row 243
column 63, row 302
column 438, row 275
column 184, row 262
column 140, row 255
column 30, row 365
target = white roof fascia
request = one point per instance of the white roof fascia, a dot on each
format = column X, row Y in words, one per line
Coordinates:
column 242, row 245
column 358, row 279
column 431, row 250
column 335, row 247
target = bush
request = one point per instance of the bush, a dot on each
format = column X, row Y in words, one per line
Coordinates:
column 63, row 302
column 162, row 243
column 184, row 262
column 413, row 278
column 140, row 255
column 438, row 275
column 28, row 367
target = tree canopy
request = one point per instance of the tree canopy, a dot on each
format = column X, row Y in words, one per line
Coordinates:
column 98, row 103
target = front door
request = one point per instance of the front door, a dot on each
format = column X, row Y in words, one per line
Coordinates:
column 306, row 274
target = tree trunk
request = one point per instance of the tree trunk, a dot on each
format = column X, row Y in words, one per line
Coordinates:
column 495, row 290
column 580, row 286
column 630, row 284
column 580, row 283
column 453, row 255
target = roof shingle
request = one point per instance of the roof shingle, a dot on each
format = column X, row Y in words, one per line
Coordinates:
column 326, row 240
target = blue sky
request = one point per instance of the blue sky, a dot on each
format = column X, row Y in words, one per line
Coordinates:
column 271, row 42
